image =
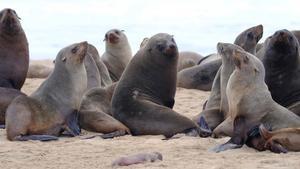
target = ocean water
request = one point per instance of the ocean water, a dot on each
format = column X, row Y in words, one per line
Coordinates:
column 197, row 25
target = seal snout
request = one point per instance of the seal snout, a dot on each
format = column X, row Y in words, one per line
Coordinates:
column 259, row 32
column 82, row 50
column 171, row 49
column 221, row 48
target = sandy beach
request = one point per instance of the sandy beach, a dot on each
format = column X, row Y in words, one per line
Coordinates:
column 184, row 152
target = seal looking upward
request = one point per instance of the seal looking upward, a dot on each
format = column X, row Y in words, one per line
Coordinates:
column 14, row 52
column 144, row 97
column 52, row 108
column 117, row 53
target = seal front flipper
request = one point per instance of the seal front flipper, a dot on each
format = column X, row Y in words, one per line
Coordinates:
column 72, row 128
column 36, row 137
column 205, row 131
column 275, row 147
column 109, row 135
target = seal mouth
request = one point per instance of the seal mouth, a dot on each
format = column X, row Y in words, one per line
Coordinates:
column 113, row 38
column 171, row 50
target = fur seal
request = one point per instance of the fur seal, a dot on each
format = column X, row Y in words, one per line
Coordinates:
column 117, row 53
column 137, row 159
column 192, row 77
column 6, row 97
column 14, row 52
column 188, row 59
column 38, row 71
column 95, row 112
column 250, row 102
column 216, row 109
column 287, row 139
column 144, row 96
column 53, row 107
column 280, row 56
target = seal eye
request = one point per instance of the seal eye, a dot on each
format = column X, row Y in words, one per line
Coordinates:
column 250, row 35
column 74, row 50
column 291, row 38
column 160, row 47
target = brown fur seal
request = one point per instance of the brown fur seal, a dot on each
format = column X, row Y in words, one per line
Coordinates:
column 188, row 59
column 216, row 109
column 280, row 56
column 117, row 53
column 14, row 52
column 250, row 102
column 137, row 159
column 53, row 107
column 144, row 97
column 193, row 77
column 288, row 139
column 95, row 113
column 6, row 97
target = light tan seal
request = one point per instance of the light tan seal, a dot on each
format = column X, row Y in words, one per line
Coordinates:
column 53, row 107
column 117, row 53
column 250, row 102
column 144, row 97
column 216, row 109
column 14, row 52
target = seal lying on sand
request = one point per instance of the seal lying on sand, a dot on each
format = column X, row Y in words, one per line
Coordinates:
column 137, row 159
column 53, row 107
column 144, row 97
column 250, row 102
column 202, row 76
column 117, row 53
column 216, row 109
column 280, row 56
column 14, row 52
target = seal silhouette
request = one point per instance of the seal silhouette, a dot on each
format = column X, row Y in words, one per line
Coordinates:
column 53, row 107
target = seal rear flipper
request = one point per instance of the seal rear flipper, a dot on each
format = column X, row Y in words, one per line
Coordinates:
column 2, row 126
column 109, row 135
column 36, row 137
column 72, row 127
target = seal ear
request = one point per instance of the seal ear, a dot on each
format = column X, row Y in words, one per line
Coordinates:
column 64, row 59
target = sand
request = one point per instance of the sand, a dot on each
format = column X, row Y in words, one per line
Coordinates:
column 184, row 152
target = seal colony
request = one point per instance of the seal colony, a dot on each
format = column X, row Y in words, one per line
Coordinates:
column 254, row 96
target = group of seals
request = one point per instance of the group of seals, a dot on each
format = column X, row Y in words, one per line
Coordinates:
column 117, row 53
column 144, row 96
column 216, row 109
column 202, row 76
column 53, row 107
column 14, row 59
column 250, row 103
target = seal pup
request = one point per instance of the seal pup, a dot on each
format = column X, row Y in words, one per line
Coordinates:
column 95, row 113
column 250, row 102
column 117, row 53
column 216, row 109
column 53, row 107
column 144, row 96
column 14, row 52
column 202, row 78
column 287, row 139
column 280, row 56
column 137, row 159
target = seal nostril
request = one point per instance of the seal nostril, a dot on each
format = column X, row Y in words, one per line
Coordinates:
column 172, row 46
column 8, row 10
column 281, row 33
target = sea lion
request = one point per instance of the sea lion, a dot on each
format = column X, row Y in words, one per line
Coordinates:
column 38, row 71
column 187, row 59
column 117, row 53
column 95, row 112
column 6, row 97
column 191, row 78
column 137, row 159
column 14, row 52
column 144, row 96
column 288, row 138
column 250, row 102
column 53, row 107
column 104, row 74
column 280, row 56
column 216, row 109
